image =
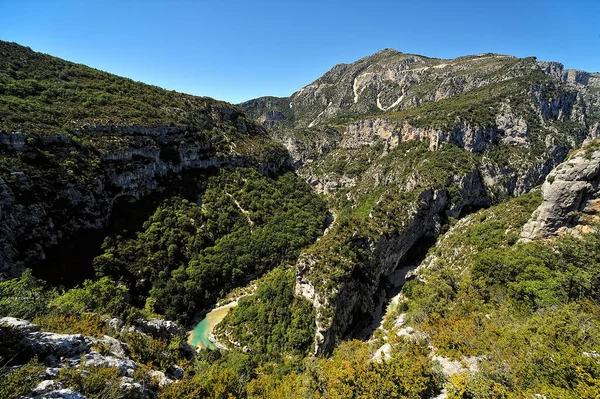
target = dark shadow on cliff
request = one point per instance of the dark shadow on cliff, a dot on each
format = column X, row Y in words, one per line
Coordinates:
column 70, row 262
column 364, row 325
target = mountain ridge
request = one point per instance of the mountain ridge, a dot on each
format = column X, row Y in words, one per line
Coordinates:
column 382, row 59
column 513, row 120
column 75, row 135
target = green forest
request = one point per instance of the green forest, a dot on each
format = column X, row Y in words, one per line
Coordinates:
column 186, row 206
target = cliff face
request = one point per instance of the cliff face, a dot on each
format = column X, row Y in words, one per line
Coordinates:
column 76, row 351
column 513, row 120
column 395, row 226
column 570, row 195
column 62, row 185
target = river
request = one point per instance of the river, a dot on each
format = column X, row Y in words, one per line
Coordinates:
column 199, row 337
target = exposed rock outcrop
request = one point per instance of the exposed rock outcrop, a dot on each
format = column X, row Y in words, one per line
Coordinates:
column 306, row 145
column 570, row 192
column 74, row 350
column 340, row 307
column 23, row 326
column 558, row 71
column 472, row 138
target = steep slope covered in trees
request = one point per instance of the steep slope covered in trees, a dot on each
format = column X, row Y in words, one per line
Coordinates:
column 83, row 152
column 424, row 164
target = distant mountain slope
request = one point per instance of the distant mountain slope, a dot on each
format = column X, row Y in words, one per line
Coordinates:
column 391, row 81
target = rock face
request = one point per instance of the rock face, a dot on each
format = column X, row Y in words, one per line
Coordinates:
column 57, row 345
column 352, row 300
column 159, row 328
column 558, row 71
column 510, row 129
column 570, row 192
column 20, row 324
column 81, row 182
column 61, row 350
column 523, row 125
column 307, row 145
column 390, row 81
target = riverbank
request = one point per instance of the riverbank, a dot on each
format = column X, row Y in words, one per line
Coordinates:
column 199, row 336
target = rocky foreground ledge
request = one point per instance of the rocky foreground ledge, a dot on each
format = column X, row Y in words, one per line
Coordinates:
column 56, row 351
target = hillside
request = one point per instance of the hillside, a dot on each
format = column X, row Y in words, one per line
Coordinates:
column 391, row 81
column 402, row 143
column 100, row 146
column 380, row 233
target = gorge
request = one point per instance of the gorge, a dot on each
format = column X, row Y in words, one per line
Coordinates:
column 380, row 232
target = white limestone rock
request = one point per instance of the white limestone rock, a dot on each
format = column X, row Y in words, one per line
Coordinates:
column 571, row 188
column 20, row 324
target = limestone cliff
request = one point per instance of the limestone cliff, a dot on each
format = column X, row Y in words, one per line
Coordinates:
column 517, row 119
column 64, row 186
column 570, row 195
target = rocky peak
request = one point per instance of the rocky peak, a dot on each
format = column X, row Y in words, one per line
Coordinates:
column 390, row 81
column 558, row 72
column 570, row 195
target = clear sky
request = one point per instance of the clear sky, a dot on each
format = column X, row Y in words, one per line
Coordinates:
column 235, row 50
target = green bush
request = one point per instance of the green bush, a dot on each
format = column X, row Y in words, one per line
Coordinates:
column 103, row 296
column 93, row 382
column 16, row 383
column 25, row 297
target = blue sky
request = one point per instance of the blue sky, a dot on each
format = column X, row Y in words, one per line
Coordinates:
column 237, row 50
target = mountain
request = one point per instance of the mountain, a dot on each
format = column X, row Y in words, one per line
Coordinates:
column 404, row 226
column 81, row 148
column 390, row 81
column 403, row 143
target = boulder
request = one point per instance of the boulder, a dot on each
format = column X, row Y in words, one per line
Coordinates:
column 159, row 328
column 160, row 377
column 176, row 372
column 383, row 353
column 66, row 393
column 46, row 386
column 94, row 359
column 451, row 367
column 129, row 385
column 115, row 347
column 20, row 324
column 569, row 190
column 59, row 345
column 115, row 323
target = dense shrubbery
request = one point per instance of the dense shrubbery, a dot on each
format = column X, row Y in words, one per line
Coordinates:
column 189, row 255
column 272, row 321
column 95, row 383
column 25, row 297
column 529, row 309
column 19, row 382
column 350, row 373
column 43, row 94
